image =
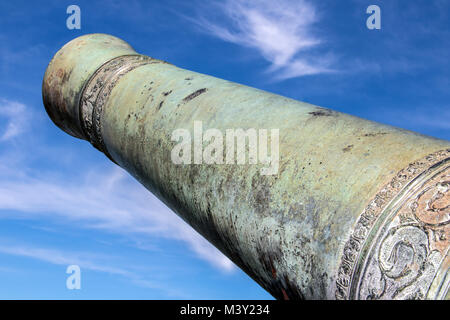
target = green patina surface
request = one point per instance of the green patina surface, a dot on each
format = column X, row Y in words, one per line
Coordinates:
column 287, row 230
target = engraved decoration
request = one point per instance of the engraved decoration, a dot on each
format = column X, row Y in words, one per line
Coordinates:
column 97, row 91
column 399, row 248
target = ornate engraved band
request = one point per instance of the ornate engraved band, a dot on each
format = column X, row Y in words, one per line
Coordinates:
column 399, row 248
column 97, row 91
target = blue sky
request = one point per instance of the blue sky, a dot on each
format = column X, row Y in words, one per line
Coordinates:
column 63, row 203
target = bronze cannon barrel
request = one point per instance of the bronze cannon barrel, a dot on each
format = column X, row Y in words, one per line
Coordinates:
column 310, row 202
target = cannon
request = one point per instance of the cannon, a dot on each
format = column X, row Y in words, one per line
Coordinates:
column 311, row 203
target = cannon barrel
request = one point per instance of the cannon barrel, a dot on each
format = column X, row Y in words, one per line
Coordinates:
column 311, row 203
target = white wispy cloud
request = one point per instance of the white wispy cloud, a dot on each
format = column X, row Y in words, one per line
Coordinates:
column 281, row 31
column 58, row 257
column 14, row 119
column 104, row 197
column 8, row 269
column 107, row 200
column 86, row 261
column 418, row 119
column 441, row 119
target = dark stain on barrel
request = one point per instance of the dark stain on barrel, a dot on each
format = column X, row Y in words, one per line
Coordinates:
column 375, row 134
column 321, row 112
column 194, row 94
column 348, row 148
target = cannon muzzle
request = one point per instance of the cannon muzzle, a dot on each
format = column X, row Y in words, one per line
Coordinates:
column 310, row 202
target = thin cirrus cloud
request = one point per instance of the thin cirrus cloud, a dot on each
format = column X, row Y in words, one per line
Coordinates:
column 425, row 117
column 62, row 258
column 102, row 198
column 108, row 201
column 14, row 119
column 86, row 261
column 281, row 31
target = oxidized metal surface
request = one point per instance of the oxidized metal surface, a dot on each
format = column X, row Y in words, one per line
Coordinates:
column 401, row 240
column 357, row 209
column 97, row 91
column 66, row 76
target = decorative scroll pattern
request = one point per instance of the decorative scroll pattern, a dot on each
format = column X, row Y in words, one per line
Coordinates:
column 97, row 91
column 401, row 240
